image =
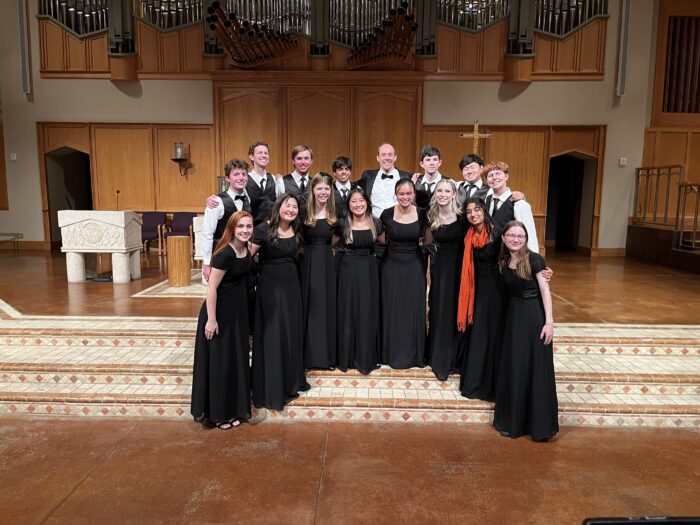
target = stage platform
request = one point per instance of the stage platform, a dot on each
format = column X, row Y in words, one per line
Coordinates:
column 610, row 373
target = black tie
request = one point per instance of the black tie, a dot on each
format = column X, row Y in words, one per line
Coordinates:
column 470, row 188
column 431, row 186
column 302, row 186
column 345, row 194
column 496, row 204
column 262, row 184
column 387, row 176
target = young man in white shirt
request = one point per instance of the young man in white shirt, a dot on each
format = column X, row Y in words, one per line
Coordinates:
column 425, row 183
column 261, row 184
column 297, row 182
column 234, row 199
column 342, row 169
column 472, row 187
column 500, row 206
column 379, row 184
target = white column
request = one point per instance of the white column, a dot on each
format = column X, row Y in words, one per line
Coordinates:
column 75, row 267
column 136, row 264
column 120, row 268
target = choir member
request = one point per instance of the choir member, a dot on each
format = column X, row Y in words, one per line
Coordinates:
column 297, row 182
column 221, row 375
column 342, row 170
column 472, row 187
column 430, row 161
column 261, row 184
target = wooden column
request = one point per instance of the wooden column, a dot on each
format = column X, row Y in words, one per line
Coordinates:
column 179, row 259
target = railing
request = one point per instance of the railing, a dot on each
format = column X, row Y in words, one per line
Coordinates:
column 687, row 217
column 656, row 193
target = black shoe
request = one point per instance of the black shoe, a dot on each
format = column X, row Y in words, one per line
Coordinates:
column 505, row 433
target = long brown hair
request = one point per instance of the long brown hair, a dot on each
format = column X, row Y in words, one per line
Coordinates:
column 320, row 178
column 522, row 267
column 230, row 230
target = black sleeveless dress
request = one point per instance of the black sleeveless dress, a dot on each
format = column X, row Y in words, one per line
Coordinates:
column 318, row 295
column 278, row 364
column 358, row 303
column 445, row 270
column 403, row 293
column 221, row 374
column 526, row 400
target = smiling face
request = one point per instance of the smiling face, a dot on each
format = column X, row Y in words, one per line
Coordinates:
column 357, row 205
column 302, row 162
column 386, row 156
column 237, row 179
column 430, row 164
column 514, row 238
column 444, row 194
column 475, row 214
column 405, row 195
column 471, row 172
column 244, row 229
column 289, row 209
column 260, row 157
column 322, row 192
column 342, row 174
column 497, row 180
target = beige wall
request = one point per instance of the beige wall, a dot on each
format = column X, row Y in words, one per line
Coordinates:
column 572, row 102
column 445, row 102
column 63, row 100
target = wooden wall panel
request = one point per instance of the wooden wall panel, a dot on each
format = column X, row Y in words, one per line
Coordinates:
column 52, row 46
column 76, row 53
column 173, row 191
column 169, row 51
column 147, row 47
column 327, row 137
column 649, row 146
column 566, row 55
column 98, row 53
column 494, row 47
column 385, row 115
column 246, row 115
column 4, row 198
column 670, row 148
column 692, row 173
column 544, row 47
column 469, row 53
column 566, row 140
column 60, row 135
column 590, row 47
column 123, row 160
column 447, row 44
column 192, row 49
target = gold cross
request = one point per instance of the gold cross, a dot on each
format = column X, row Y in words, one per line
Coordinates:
column 476, row 136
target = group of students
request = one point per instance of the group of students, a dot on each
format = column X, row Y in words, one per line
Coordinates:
column 330, row 274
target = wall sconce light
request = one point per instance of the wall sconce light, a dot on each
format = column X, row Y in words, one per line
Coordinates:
column 182, row 158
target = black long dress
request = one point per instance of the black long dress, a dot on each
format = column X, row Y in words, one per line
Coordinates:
column 483, row 346
column 318, row 295
column 278, row 364
column 403, row 293
column 358, row 303
column 445, row 267
column 221, row 375
column 526, row 400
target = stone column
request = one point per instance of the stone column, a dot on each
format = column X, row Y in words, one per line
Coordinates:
column 135, row 259
column 121, row 272
column 75, row 267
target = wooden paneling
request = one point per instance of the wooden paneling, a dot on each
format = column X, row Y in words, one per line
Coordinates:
column 448, row 53
column 566, row 55
column 122, row 160
column 545, row 46
column 60, row 135
column 147, row 46
column 98, row 48
column 169, row 51
column 469, row 53
column 52, row 44
column 566, row 140
column 4, row 199
column 76, row 53
column 692, row 173
column 327, row 137
column 590, row 55
column 493, row 46
column 666, row 147
column 649, row 146
column 385, row 114
column 246, row 115
column 173, row 191
column 191, row 49
column 670, row 148
column 579, row 55
column 480, row 54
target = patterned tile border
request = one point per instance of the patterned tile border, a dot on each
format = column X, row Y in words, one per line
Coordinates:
column 196, row 289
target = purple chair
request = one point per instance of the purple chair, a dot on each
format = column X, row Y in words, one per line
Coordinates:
column 180, row 225
column 152, row 229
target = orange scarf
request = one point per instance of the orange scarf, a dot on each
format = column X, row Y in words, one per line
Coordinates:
column 465, row 306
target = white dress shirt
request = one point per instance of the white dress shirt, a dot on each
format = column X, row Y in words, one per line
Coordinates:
column 257, row 178
column 383, row 192
column 523, row 213
column 211, row 218
column 279, row 183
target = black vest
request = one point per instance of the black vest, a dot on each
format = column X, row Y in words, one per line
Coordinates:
column 291, row 187
column 229, row 209
column 505, row 213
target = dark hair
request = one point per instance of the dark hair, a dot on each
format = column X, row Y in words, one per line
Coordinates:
column 522, row 267
column 341, row 162
column 255, row 144
column 403, row 182
column 347, row 230
column 468, row 159
column 488, row 220
column 272, row 236
column 235, row 164
column 429, row 151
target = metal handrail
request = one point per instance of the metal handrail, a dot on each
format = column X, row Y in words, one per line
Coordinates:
column 687, row 227
column 649, row 181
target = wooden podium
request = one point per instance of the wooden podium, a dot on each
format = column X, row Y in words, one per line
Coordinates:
column 179, row 260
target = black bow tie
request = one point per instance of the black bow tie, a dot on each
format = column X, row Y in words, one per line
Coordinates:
column 240, row 198
column 387, row 176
